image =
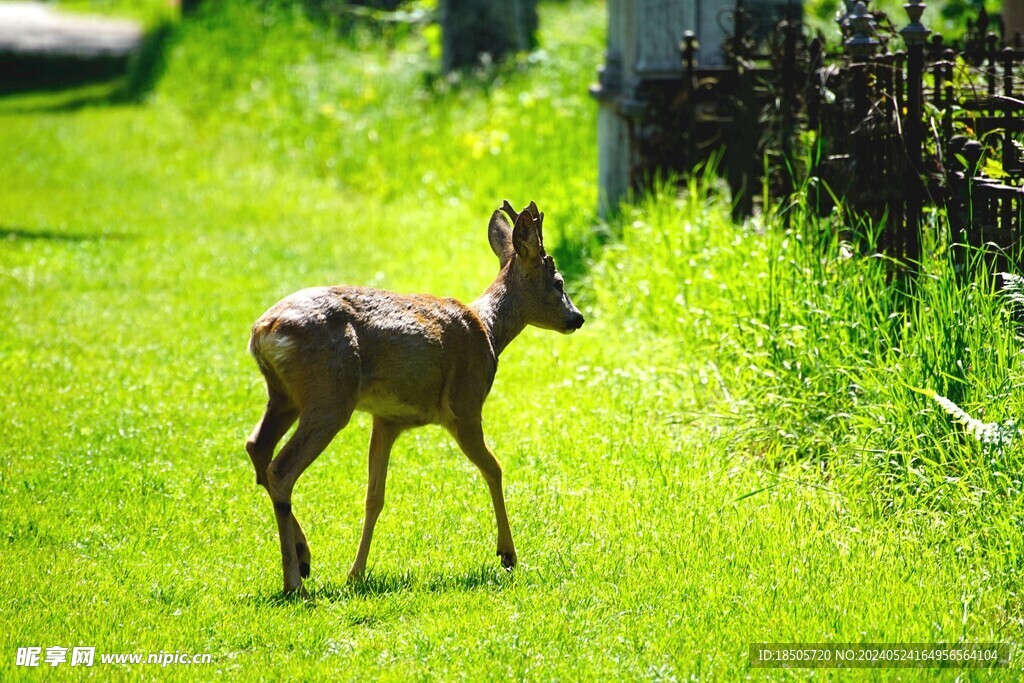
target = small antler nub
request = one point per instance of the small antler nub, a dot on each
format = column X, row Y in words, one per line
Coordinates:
column 507, row 208
column 538, row 216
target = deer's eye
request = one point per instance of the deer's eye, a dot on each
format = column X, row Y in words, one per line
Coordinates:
column 560, row 285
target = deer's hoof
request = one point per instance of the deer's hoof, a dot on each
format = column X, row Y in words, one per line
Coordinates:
column 302, row 550
column 299, row 592
column 508, row 560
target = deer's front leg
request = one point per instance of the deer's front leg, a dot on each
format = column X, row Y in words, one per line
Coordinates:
column 381, row 441
column 470, row 437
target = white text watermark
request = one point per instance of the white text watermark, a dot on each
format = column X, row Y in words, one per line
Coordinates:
column 87, row 656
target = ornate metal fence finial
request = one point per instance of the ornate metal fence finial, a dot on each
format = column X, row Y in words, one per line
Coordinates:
column 843, row 16
column 862, row 43
column 915, row 33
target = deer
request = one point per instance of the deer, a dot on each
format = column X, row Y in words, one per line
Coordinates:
column 406, row 359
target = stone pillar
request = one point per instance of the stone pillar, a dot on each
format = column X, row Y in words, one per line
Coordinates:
column 612, row 129
column 643, row 48
column 643, row 42
column 1013, row 20
column 471, row 29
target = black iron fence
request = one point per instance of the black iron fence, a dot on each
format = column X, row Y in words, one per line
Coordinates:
column 897, row 125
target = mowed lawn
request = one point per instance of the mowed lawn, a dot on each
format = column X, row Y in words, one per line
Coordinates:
column 685, row 476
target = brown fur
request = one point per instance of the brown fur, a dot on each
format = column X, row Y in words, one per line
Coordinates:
column 409, row 360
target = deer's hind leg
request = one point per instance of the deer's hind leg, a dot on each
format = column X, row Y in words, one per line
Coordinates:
column 311, row 437
column 279, row 417
column 326, row 404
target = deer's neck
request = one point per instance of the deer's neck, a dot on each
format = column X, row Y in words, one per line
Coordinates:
column 500, row 312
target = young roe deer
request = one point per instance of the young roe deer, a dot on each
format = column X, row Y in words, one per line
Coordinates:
column 409, row 360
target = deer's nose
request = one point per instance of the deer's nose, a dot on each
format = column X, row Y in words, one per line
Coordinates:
column 576, row 322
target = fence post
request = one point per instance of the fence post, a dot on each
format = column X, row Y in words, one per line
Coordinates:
column 1011, row 163
column 789, row 105
column 977, row 214
column 949, row 60
column 937, row 69
column 741, row 156
column 814, row 84
column 899, row 61
column 914, row 35
column 992, row 56
column 688, row 48
column 860, row 46
column 958, row 177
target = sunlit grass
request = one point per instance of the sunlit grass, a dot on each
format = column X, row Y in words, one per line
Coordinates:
column 730, row 451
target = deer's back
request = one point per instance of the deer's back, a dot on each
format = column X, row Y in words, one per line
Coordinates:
column 412, row 358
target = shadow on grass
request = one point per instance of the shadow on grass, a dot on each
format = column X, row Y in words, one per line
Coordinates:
column 13, row 234
column 575, row 252
column 65, row 85
column 486, row 577
column 147, row 66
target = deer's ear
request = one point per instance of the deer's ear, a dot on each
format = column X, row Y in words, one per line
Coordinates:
column 499, row 234
column 526, row 237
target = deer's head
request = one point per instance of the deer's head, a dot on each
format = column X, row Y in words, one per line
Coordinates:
column 529, row 272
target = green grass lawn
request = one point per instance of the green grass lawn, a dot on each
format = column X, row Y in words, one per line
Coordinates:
column 730, row 451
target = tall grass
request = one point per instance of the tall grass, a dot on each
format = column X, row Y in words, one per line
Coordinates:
column 816, row 353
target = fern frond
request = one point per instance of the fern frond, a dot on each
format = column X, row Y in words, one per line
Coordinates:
column 1013, row 288
column 995, row 434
